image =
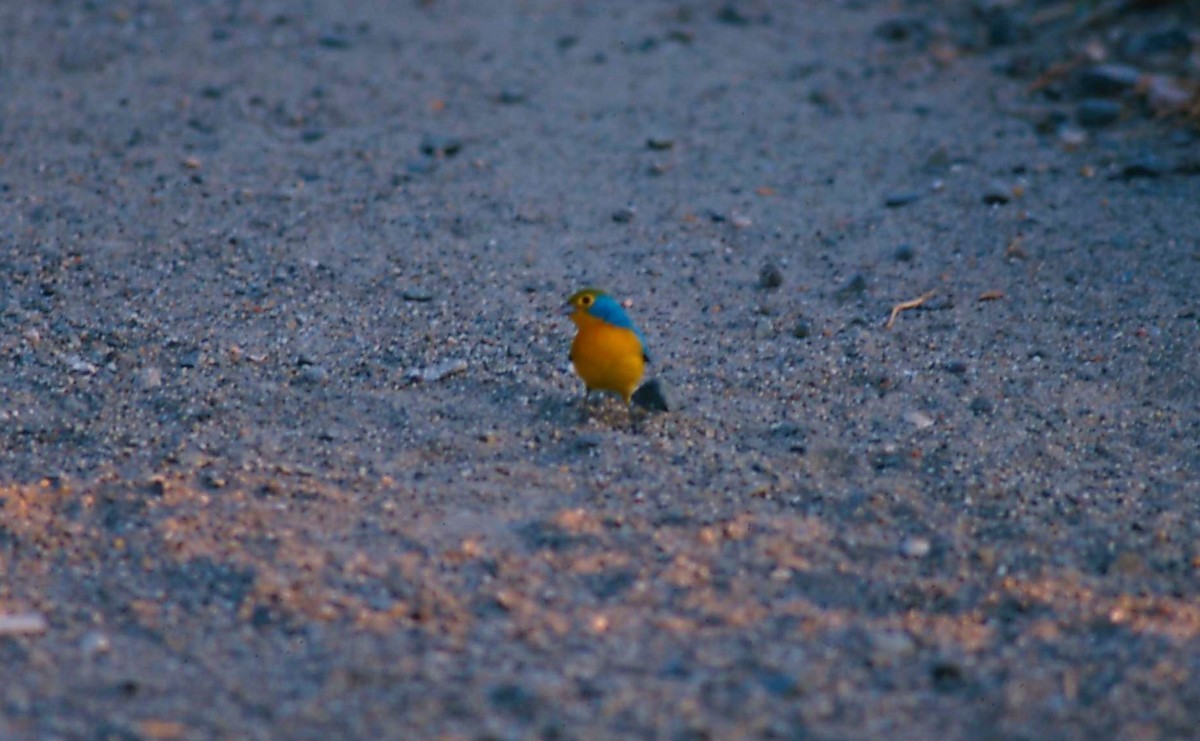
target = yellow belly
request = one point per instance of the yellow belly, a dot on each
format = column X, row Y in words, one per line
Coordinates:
column 608, row 358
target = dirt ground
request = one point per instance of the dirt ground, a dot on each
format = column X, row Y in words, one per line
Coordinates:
column 291, row 447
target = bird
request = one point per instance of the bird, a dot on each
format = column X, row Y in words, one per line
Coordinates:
column 609, row 351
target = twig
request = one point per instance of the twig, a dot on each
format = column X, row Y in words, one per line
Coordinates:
column 906, row 305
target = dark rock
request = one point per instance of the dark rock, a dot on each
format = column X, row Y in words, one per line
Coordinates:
column 981, row 405
column 997, row 194
column 511, row 96
column 855, row 287
column 1171, row 42
column 1095, row 113
column 1108, row 79
column 656, row 395
column 903, row 253
column 803, row 329
column 947, row 676
column 770, row 276
column 957, row 367
column 903, row 29
column 440, row 145
column 624, row 215
column 514, row 700
column 1148, row 166
column 896, row 200
column 660, row 141
column 731, row 15
column 334, row 40
column 777, row 683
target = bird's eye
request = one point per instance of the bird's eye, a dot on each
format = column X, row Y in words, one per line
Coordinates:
column 586, row 300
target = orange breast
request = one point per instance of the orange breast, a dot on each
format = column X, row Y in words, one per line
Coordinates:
column 606, row 357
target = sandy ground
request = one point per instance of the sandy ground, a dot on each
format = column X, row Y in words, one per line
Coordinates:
column 291, row 447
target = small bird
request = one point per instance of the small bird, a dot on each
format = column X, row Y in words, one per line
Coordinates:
column 609, row 351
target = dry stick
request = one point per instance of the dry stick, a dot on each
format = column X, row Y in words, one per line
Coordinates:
column 905, row 305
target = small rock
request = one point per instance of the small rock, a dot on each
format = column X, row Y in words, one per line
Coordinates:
column 514, row 700
column 149, row 378
column 440, row 145
column 1095, row 113
column 1072, row 137
column 903, row 253
column 770, row 276
column 1148, row 166
column 896, row 200
column 803, row 329
column 920, row 420
column 588, row 441
column 511, row 96
column 418, row 295
column 624, row 215
column 1108, row 79
column 731, row 15
column 957, row 367
column 890, row 646
column 189, row 358
column 77, row 364
column 334, row 40
column 93, row 644
column 981, row 405
column 1127, row 563
column 313, row 375
column 1170, row 42
column 660, row 141
column 764, row 328
column 947, row 676
column 437, row 372
column 22, row 623
column 997, row 193
column 914, row 546
column 902, row 29
column 656, row 395
column 853, row 288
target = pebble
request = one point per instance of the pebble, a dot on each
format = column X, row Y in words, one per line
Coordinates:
column 656, row 395
column 22, row 623
column 1108, row 79
column 660, row 141
column 1095, row 113
column 94, row 643
column 896, row 200
column 1148, row 166
column 914, row 546
column 440, row 145
column 313, row 375
column 77, row 364
column 920, row 420
column 511, row 96
column 903, row 253
column 418, row 295
column 764, row 328
column 437, row 372
column 624, row 215
column 889, row 646
column 853, row 288
column 803, row 329
column 997, row 193
column 981, row 405
column 149, row 378
column 770, row 276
